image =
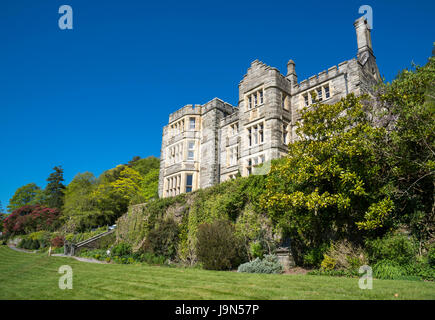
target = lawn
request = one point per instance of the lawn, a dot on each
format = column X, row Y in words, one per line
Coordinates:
column 35, row 276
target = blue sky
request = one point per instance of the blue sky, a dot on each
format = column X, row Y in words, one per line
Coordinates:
column 95, row 96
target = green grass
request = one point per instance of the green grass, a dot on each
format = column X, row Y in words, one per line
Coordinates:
column 35, row 276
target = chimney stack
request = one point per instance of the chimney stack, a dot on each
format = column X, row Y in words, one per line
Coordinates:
column 291, row 72
column 363, row 37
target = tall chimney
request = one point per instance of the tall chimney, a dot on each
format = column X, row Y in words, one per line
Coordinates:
column 291, row 72
column 363, row 37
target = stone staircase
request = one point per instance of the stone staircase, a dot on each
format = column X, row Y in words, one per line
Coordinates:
column 73, row 248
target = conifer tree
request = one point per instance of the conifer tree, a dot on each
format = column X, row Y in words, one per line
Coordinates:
column 55, row 188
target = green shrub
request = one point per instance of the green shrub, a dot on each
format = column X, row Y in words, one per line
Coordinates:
column 313, row 257
column 269, row 264
column 334, row 273
column 162, row 240
column 121, row 249
column 107, row 241
column 328, row 263
column 29, row 244
column 43, row 237
column 256, row 249
column 386, row 269
column 218, row 248
column 151, row 258
column 431, row 256
column 397, row 248
column 21, row 243
column 34, row 245
column 57, row 250
column 424, row 271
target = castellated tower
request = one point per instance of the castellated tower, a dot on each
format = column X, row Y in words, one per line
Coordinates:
column 203, row 145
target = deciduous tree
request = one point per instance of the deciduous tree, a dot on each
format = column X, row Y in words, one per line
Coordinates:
column 28, row 194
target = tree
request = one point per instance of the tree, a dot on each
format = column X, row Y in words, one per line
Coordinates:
column 79, row 209
column 28, row 194
column 150, row 185
column 331, row 185
column 54, row 189
column 31, row 218
column 116, row 187
column 144, row 166
column 409, row 106
column 1, row 207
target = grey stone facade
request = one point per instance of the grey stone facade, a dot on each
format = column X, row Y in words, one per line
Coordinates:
column 203, row 145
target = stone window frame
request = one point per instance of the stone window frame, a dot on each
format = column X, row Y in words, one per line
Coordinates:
column 177, row 127
column 256, row 133
column 254, row 161
column 232, row 156
column 285, row 100
column 189, row 150
column 307, row 95
column 189, row 186
column 231, row 176
column 234, row 129
column 190, row 123
column 175, row 153
column 173, row 185
column 327, row 92
column 254, row 98
column 285, row 133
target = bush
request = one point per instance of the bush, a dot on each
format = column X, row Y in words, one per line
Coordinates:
column 431, row 256
column 334, row 273
column 31, row 218
column 29, row 244
column 424, row 271
column 256, row 249
column 397, row 248
column 386, row 269
column 98, row 254
column 151, row 258
column 121, row 249
column 57, row 242
column 218, row 248
column 270, row 264
column 78, row 237
column 328, row 263
column 314, row 256
column 107, row 241
column 43, row 237
column 346, row 256
column 162, row 240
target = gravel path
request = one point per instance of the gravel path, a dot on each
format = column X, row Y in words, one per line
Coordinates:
column 91, row 260
column 20, row 250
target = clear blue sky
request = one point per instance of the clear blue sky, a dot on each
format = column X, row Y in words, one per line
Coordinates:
column 95, row 96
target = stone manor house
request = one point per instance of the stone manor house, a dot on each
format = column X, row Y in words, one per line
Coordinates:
column 203, row 145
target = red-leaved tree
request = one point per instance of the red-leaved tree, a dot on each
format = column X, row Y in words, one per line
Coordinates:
column 31, row 218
